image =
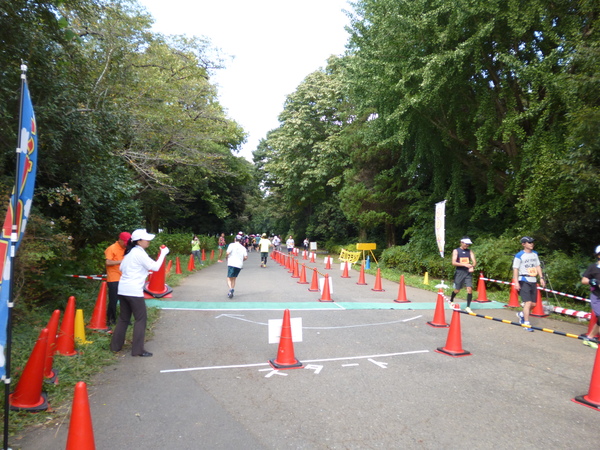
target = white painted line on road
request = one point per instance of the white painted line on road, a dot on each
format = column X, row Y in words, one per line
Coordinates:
column 238, row 366
column 361, row 325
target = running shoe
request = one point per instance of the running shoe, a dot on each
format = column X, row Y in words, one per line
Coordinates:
column 589, row 342
column 521, row 318
column 230, row 293
column 469, row 310
column 527, row 328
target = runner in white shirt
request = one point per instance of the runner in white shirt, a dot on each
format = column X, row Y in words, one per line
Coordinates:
column 236, row 255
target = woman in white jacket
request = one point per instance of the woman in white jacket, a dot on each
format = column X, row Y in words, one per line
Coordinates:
column 134, row 269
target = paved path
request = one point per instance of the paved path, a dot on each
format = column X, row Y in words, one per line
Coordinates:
column 371, row 376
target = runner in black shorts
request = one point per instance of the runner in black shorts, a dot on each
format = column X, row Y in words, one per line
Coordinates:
column 463, row 259
column 526, row 269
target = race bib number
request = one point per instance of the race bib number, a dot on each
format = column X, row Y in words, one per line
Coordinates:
column 532, row 272
column 464, row 260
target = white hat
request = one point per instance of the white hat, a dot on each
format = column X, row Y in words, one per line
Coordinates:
column 466, row 240
column 141, row 234
column 597, row 250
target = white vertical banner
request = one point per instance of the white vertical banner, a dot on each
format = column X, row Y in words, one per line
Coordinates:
column 440, row 226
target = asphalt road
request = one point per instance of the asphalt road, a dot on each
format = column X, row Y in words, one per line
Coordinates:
column 371, row 375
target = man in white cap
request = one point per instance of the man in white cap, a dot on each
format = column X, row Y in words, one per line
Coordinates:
column 526, row 270
column 463, row 259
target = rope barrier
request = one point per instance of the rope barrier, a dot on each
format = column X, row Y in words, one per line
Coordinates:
column 546, row 330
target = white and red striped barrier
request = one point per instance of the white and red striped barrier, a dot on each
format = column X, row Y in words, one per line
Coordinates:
column 572, row 312
column 575, row 297
column 89, row 277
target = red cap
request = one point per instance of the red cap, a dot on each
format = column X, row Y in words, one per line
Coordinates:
column 125, row 236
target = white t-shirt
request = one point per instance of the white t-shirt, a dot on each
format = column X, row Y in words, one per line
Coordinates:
column 134, row 269
column 236, row 253
column 290, row 243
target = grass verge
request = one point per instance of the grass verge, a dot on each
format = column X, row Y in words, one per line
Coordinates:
column 90, row 360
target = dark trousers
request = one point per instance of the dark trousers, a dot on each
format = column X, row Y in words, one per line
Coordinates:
column 113, row 298
column 129, row 306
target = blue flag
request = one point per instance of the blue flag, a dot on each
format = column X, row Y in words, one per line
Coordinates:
column 18, row 211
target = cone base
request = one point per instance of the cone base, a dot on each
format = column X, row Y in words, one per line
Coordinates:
column 402, row 301
column 99, row 329
column 538, row 315
column 362, row 284
column 453, row 353
column 276, row 365
column 582, row 401
column 167, row 291
column 52, row 378
column 302, row 282
column 378, row 290
column 41, row 405
column 438, row 325
column 322, row 300
column 313, row 290
column 482, row 301
column 68, row 353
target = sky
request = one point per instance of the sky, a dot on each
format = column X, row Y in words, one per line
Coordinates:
column 274, row 45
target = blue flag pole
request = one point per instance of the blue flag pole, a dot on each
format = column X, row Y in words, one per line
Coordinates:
column 20, row 204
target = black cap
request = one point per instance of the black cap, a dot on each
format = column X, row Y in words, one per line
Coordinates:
column 527, row 239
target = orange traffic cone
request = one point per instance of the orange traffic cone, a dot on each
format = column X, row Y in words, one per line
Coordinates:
column 439, row 317
column 361, row 277
column 28, row 395
column 81, row 432
column 481, row 290
column 156, row 287
column 212, row 255
column 328, row 263
column 304, row 255
column 454, row 342
column 203, row 256
column 50, row 373
column 65, row 342
column 345, row 272
column 98, row 321
column 178, row 266
column 285, row 354
column 402, row 292
column 303, row 275
column 377, row 287
column 169, row 266
column 592, row 399
column 593, row 322
column 295, row 273
column 513, row 301
column 314, row 283
column 191, row 266
column 326, row 295
column 538, row 309
column 312, row 257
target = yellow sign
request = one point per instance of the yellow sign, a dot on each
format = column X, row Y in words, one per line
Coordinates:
column 366, row 246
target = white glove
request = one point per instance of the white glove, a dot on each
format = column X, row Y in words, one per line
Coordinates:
column 164, row 251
